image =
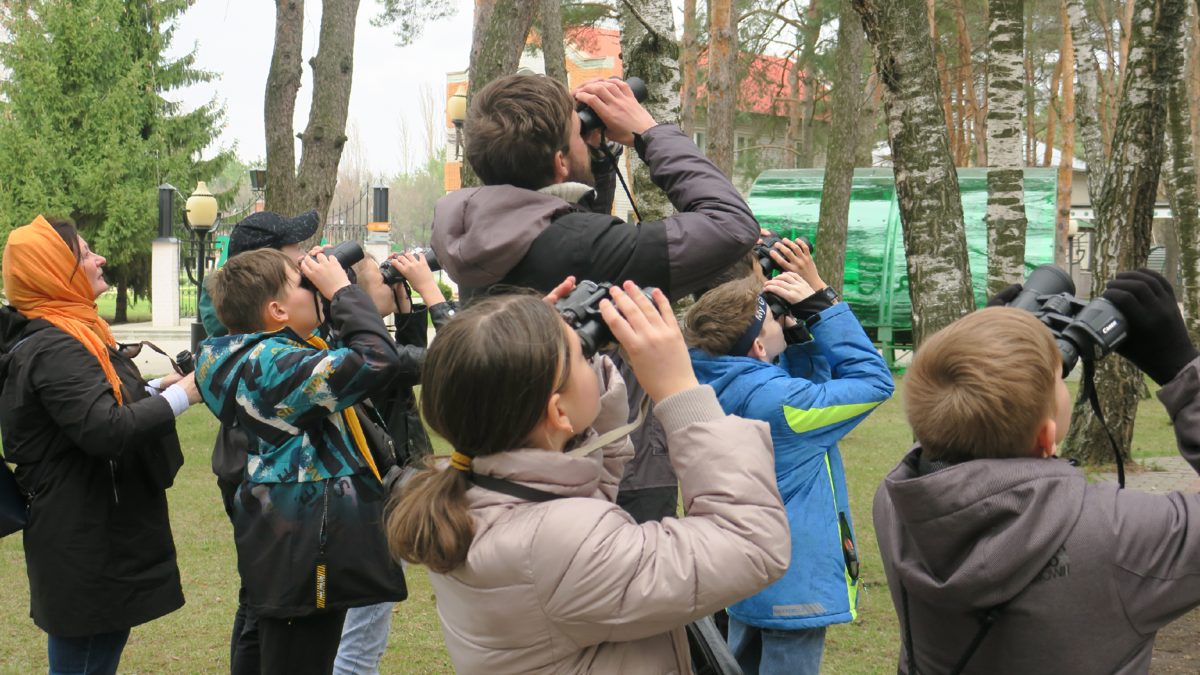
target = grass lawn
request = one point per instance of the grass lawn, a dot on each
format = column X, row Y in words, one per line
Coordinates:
column 136, row 311
column 196, row 638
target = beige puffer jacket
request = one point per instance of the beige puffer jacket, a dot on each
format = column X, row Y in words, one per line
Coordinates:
column 575, row 586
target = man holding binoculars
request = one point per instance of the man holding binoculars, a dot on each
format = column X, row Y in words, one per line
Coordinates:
column 545, row 213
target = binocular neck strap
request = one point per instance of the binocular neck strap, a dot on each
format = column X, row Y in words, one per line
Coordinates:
column 1088, row 390
column 612, row 159
column 615, row 434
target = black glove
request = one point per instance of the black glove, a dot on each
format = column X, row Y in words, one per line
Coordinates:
column 810, row 307
column 796, row 335
column 1005, row 296
column 1158, row 342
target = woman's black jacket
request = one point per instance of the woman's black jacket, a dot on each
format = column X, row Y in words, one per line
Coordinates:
column 98, row 545
column 399, row 409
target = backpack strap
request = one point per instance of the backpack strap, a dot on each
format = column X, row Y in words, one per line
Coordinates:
column 986, row 618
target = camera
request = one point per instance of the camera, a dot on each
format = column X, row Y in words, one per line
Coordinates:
column 589, row 121
column 763, row 251
column 581, row 311
column 1088, row 331
column 392, row 276
column 186, row 362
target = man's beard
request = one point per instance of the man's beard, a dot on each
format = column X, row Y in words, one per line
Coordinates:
column 581, row 171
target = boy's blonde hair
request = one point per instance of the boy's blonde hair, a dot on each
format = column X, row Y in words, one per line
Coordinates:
column 981, row 387
column 714, row 324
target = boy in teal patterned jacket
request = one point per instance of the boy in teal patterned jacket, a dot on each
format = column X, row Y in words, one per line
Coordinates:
column 308, row 514
column 820, row 390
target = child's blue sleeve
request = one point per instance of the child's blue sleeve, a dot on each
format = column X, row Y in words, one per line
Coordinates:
column 806, row 360
column 826, row 411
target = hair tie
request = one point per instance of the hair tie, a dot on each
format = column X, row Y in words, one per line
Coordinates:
column 460, row 461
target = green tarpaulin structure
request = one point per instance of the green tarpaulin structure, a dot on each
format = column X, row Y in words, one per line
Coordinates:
column 876, row 285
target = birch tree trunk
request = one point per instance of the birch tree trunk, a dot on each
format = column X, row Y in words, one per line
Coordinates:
column 1066, row 174
column 1087, row 104
column 1180, row 182
column 689, row 61
column 650, row 52
column 722, row 84
column 554, row 50
column 1125, row 211
column 325, row 135
column 497, row 40
column 279, row 107
column 843, row 141
column 1192, row 77
column 939, row 271
column 1006, row 178
column 1030, row 97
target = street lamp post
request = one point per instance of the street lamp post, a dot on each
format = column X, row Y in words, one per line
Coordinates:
column 201, row 212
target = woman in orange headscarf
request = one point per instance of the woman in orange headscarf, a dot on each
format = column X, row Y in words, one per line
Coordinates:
column 95, row 447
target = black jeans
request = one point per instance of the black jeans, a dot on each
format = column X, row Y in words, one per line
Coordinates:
column 303, row 646
column 244, row 657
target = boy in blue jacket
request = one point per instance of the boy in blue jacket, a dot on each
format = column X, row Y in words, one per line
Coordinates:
column 819, row 390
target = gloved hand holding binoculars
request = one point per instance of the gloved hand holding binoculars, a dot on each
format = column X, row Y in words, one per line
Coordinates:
column 1137, row 317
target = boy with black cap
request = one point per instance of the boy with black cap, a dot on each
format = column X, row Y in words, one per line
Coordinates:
column 260, row 230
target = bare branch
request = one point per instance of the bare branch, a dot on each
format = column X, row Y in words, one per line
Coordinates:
column 650, row 29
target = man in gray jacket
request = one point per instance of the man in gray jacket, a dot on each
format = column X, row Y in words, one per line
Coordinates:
column 545, row 213
column 980, row 525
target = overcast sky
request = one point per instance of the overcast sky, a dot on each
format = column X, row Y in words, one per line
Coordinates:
column 235, row 39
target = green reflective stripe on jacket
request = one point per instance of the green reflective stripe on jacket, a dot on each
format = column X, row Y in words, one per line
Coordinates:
column 851, row 584
column 802, row 420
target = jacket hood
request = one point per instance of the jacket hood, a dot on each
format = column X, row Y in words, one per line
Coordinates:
column 479, row 234
column 218, row 364
column 12, row 326
column 733, row 378
column 976, row 534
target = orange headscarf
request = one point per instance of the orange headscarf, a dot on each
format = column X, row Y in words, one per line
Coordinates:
column 42, row 282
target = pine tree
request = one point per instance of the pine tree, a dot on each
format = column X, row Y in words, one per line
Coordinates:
column 86, row 130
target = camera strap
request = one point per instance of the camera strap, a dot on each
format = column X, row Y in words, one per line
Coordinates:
column 1088, row 389
column 615, row 434
column 612, row 159
column 986, row 618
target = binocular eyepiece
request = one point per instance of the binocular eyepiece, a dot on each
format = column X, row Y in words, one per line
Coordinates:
column 1087, row 331
column 589, row 121
column 347, row 253
column 392, row 276
column 581, row 311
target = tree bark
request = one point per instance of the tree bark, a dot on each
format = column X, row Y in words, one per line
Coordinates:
column 794, row 105
column 843, row 140
column 1030, row 97
column 1006, row 178
column 812, row 31
column 654, row 57
column 279, row 107
column 1087, row 105
column 1181, row 187
column 939, row 271
column 722, row 84
column 497, row 40
column 967, row 73
column 121, row 314
column 1125, row 211
column 1192, row 77
column 689, row 62
column 1052, row 113
column 554, row 51
column 867, row 115
column 325, row 135
column 1066, row 174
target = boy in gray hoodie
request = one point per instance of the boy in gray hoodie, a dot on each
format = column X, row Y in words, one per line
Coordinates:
column 999, row 554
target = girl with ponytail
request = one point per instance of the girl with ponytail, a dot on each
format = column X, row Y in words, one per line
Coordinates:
column 535, row 568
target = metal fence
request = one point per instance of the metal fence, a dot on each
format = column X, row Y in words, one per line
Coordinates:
column 345, row 223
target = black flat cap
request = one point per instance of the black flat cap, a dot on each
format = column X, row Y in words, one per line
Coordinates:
column 271, row 230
